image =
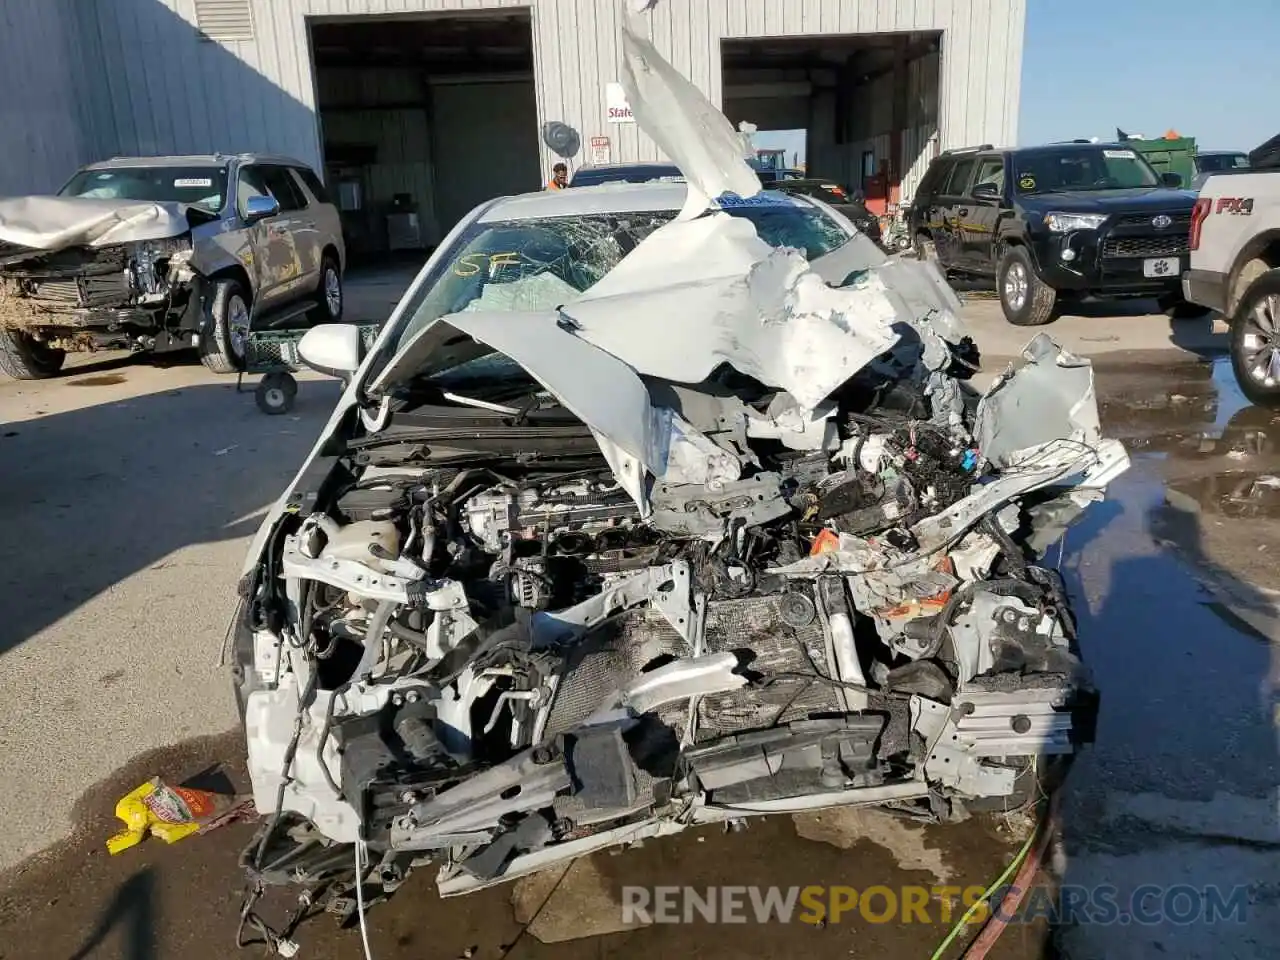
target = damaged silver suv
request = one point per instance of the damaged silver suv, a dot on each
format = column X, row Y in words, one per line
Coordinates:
column 165, row 253
column 631, row 521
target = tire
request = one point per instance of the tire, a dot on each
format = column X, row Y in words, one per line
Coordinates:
column 329, row 294
column 1256, row 361
column 25, row 358
column 223, row 344
column 276, row 393
column 1028, row 302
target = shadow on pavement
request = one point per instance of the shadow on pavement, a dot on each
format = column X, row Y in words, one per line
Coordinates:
column 92, row 496
column 132, row 912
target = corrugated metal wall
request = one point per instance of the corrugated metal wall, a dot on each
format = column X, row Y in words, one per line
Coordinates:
column 148, row 84
column 42, row 132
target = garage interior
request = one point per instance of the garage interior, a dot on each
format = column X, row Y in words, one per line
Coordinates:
column 421, row 118
column 867, row 102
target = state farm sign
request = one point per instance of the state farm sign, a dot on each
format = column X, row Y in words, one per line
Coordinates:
column 617, row 110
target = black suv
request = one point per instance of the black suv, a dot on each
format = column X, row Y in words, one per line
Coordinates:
column 1055, row 223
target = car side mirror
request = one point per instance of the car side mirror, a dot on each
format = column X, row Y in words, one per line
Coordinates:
column 259, row 208
column 1171, row 179
column 332, row 349
column 986, row 191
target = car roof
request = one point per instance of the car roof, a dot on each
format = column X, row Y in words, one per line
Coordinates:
column 1068, row 147
column 604, row 198
column 193, row 160
column 1221, row 153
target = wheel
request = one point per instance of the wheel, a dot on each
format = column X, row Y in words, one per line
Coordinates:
column 23, row 357
column 1027, row 300
column 223, row 344
column 329, row 308
column 1255, row 341
column 1179, row 309
column 276, row 393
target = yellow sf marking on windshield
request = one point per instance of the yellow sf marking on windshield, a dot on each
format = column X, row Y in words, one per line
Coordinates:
column 469, row 264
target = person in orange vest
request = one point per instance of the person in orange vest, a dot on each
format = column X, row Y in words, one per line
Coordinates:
column 559, row 177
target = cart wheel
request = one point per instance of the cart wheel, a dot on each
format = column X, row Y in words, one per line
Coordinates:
column 276, row 393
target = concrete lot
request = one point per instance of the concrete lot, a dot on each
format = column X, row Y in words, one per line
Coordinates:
column 128, row 492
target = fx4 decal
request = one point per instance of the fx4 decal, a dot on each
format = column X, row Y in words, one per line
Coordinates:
column 1242, row 206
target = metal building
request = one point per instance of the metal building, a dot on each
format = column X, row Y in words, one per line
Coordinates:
column 429, row 106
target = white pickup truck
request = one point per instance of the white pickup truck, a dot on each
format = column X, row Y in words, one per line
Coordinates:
column 1235, row 266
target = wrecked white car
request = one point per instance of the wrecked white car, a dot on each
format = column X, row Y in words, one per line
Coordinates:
column 631, row 522
column 634, row 519
column 165, row 253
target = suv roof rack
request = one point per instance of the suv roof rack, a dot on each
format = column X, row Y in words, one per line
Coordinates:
column 977, row 149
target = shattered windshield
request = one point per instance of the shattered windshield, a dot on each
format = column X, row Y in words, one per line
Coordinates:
column 1045, row 171
column 196, row 186
column 531, row 265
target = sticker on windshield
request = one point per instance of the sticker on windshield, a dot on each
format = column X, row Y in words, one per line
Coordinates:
column 765, row 198
column 193, row 182
column 1119, row 154
column 1027, row 182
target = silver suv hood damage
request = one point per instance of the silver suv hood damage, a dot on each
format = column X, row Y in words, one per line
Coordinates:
column 750, row 544
column 54, row 223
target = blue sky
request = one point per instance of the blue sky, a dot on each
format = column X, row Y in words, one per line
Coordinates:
column 1210, row 70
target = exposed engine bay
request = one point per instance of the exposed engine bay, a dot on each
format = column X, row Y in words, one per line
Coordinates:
column 85, row 297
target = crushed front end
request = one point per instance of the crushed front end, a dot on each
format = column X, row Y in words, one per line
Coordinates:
column 474, row 639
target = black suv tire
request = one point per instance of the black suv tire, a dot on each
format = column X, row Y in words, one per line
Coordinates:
column 25, row 358
column 1262, row 296
column 1027, row 300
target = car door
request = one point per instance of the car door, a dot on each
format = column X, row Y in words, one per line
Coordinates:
column 926, row 211
column 300, row 268
column 979, row 213
column 953, row 196
column 264, row 248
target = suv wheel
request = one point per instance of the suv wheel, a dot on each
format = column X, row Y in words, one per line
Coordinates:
column 223, row 345
column 329, row 294
column 23, row 357
column 1255, row 341
column 1027, row 300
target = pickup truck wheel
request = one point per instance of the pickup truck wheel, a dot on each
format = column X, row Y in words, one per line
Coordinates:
column 222, row 346
column 23, row 357
column 329, row 296
column 1255, row 341
column 1027, row 300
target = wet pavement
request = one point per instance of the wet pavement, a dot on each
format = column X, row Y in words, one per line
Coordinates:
column 1175, row 579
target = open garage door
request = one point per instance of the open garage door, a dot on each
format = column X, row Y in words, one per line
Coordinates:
column 481, row 133
column 421, row 118
column 868, row 104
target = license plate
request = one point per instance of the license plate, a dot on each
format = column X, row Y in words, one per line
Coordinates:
column 1160, row 267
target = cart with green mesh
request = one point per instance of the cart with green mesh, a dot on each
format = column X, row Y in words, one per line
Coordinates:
column 274, row 354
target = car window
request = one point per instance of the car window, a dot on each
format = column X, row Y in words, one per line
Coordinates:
column 540, row 264
column 284, row 188
column 935, row 177
column 249, row 184
column 1099, row 168
column 313, row 183
column 798, row 225
column 958, row 182
column 990, row 171
column 199, row 186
